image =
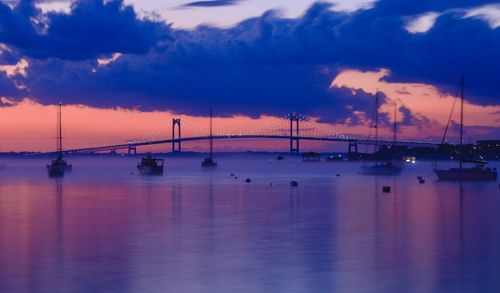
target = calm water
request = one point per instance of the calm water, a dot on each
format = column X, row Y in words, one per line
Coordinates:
column 103, row 228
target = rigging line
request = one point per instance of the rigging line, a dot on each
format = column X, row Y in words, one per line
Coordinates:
column 451, row 115
column 448, row 123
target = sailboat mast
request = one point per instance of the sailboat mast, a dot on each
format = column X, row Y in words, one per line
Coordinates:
column 395, row 126
column 376, row 117
column 211, row 137
column 461, row 119
column 59, row 132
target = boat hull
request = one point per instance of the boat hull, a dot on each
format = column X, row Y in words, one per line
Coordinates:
column 58, row 167
column 150, row 170
column 208, row 162
column 466, row 174
column 55, row 171
column 382, row 170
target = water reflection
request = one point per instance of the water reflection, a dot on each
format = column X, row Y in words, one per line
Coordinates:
column 194, row 231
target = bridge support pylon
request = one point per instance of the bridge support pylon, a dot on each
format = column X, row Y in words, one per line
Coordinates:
column 132, row 149
column 294, row 140
column 353, row 145
column 176, row 142
column 353, row 154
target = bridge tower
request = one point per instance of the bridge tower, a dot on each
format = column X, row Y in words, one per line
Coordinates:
column 294, row 140
column 352, row 154
column 176, row 142
column 353, row 147
column 132, row 149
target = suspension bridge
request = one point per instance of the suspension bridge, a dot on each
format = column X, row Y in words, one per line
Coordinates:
column 293, row 127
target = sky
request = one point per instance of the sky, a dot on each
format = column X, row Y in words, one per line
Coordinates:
column 124, row 69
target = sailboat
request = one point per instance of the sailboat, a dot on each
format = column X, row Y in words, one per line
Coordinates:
column 387, row 168
column 58, row 166
column 478, row 172
column 209, row 161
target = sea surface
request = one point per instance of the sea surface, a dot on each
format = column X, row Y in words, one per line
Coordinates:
column 104, row 228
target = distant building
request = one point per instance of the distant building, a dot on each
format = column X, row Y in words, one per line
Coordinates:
column 489, row 149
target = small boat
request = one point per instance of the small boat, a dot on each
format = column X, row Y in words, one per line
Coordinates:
column 479, row 172
column 208, row 162
column 59, row 166
column 151, row 165
column 384, row 168
column 280, row 158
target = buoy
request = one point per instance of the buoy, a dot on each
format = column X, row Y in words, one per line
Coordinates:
column 294, row 183
column 386, row 189
column 235, row 177
column 248, row 180
column 232, row 175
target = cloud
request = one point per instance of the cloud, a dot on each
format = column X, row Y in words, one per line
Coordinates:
column 92, row 29
column 490, row 13
column 9, row 89
column 411, row 119
column 422, row 23
column 263, row 65
column 211, row 3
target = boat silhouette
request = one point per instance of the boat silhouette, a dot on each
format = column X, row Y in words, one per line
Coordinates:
column 478, row 172
column 150, row 165
column 383, row 168
column 59, row 166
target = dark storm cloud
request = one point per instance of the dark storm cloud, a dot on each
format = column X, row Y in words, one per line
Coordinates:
column 9, row 89
column 211, row 3
column 263, row 65
column 92, row 29
column 409, row 119
column 8, row 86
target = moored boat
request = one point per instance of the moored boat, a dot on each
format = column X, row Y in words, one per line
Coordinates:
column 150, row 165
column 59, row 166
column 476, row 173
column 208, row 162
column 384, row 168
column 479, row 172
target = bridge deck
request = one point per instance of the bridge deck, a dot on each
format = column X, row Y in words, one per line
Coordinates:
column 219, row 137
